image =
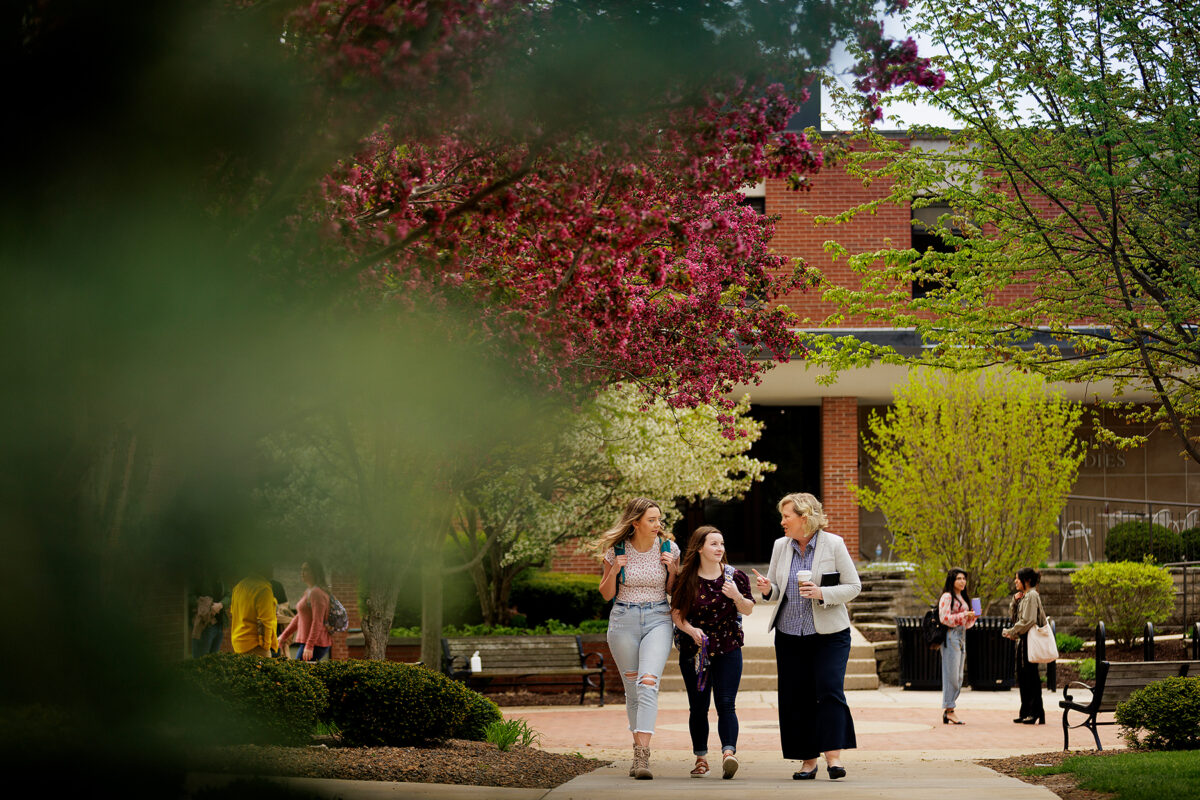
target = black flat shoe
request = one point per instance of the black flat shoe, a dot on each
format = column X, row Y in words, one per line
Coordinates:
column 836, row 772
column 1026, row 720
column 947, row 721
column 811, row 775
column 1021, row 720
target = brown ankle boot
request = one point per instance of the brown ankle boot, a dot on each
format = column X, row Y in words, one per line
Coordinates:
column 641, row 763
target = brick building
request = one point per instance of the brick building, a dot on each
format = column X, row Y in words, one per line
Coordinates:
column 813, row 431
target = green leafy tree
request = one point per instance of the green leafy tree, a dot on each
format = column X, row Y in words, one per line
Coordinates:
column 570, row 487
column 971, row 471
column 1070, row 173
column 1124, row 595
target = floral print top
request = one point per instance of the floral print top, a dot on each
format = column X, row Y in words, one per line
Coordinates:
column 716, row 615
column 953, row 613
column 645, row 576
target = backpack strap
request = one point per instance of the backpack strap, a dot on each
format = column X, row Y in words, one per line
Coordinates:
column 619, row 550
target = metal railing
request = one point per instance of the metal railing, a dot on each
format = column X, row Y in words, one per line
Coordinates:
column 1085, row 521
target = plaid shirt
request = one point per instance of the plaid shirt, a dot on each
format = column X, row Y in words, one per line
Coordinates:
column 796, row 617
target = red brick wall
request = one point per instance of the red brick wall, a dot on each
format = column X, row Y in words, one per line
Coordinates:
column 345, row 588
column 839, row 460
column 576, row 558
column 797, row 236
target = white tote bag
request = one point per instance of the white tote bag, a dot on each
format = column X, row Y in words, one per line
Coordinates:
column 1040, row 646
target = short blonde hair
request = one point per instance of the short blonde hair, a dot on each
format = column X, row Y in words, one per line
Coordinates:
column 807, row 506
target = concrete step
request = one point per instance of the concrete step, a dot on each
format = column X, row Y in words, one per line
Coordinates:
column 770, row 683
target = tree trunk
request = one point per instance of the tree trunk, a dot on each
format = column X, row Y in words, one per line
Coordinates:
column 431, row 606
column 377, row 619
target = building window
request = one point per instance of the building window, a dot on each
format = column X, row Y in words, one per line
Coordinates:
column 925, row 238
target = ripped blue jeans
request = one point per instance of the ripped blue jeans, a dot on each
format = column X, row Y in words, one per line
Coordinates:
column 639, row 638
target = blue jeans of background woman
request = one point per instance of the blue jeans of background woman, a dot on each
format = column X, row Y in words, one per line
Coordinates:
column 813, row 714
column 724, row 677
column 639, row 638
column 209, row 641
column 954, row 658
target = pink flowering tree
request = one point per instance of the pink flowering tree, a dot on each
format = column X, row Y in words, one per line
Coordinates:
column 569, row 174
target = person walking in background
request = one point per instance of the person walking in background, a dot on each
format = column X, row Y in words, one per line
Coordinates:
column 954, row 611
column 312, row 608
column 814, row 577
column 640, row 565
column 1026, row 611
column 210, row 617
column 705, row 604
column 253, row 611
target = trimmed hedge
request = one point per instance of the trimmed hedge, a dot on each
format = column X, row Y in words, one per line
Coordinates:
column 1163, row 716
column 232, row 699
column 1133, row 541
column 1191, row 544
column 384, row 703
column 567, row 597
column 481, row 712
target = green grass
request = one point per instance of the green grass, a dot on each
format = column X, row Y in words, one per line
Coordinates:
column 1135, row 776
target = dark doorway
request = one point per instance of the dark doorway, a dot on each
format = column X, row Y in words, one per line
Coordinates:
column 791, row 441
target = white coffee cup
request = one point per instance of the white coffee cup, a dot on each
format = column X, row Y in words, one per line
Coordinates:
column 803, row 576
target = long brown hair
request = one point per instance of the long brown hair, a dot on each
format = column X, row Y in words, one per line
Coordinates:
column 688, row 580
column 634, row 510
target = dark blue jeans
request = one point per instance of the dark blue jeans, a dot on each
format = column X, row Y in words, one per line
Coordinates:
column 209, row 641
column 319, row 653
column 724, row 677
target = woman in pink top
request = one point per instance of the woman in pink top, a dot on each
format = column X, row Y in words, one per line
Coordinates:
column 954, row 610
column 311, row 610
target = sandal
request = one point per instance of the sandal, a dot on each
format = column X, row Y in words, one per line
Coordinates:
column 701, row 768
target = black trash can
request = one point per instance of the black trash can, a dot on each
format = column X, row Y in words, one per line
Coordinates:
column 920, row 666
column 991, row 659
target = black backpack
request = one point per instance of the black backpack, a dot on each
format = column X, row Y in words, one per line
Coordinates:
column 934, row 630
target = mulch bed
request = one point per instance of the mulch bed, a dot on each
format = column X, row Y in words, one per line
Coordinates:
column 456, row 762
column 1063, row 785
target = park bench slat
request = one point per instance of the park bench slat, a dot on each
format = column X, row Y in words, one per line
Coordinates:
column 521, row 657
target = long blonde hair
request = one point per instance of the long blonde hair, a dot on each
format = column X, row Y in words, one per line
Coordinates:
column 623, row 530
column 809, row 507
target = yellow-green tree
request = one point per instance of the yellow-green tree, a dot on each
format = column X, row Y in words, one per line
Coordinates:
column 972, row 470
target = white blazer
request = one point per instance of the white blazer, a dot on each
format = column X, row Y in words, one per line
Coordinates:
column 830, row 614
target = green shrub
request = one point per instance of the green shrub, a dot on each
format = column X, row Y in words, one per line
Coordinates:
column 1125, row 595
column 1163, row 716
column 593, row 626
column 245, row 699
column 1133, row 541
column 1066, row 565
column 563, row 596
column 1068, row 643
column 481, row 712
column 1087, row 669
column 390, row 704
column 1191, row 544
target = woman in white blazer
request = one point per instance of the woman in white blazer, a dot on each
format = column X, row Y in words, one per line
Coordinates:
column 812, row 635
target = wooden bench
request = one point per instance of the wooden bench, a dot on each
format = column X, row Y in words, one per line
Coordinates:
column 558, row 659
column 1115, row 681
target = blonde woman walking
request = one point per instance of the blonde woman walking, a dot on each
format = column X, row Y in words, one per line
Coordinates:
column 640, row 565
